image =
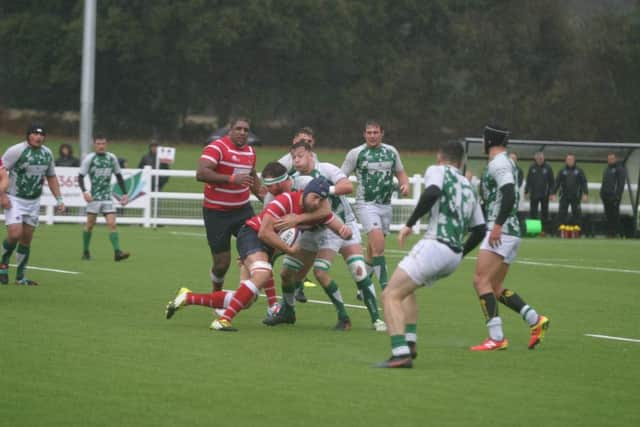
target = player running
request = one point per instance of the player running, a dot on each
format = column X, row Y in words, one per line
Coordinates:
column 499, row 247
column 454, row 209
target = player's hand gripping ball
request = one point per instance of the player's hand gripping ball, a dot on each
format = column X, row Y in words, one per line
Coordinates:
column 290, row 235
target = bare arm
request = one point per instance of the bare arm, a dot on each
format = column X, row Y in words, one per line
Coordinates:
column 269, row 236
column 4, row 184
column 403, row 179
column 343, row 187
column 292, row 220
column 257, row 188
column 54, row 186
column 206, row 173
column 340, row 228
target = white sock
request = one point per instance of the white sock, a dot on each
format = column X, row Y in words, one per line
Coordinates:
column 410, row 336
column 529, row 315
column 495, row 328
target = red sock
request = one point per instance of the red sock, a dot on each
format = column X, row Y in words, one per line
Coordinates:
column 270, row 292
column 242, row 297
column 213, row 300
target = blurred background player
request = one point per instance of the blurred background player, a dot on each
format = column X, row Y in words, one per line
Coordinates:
column 149, row 159
column 100, row 165
column 227, row 167
column 571, row 184
column 500, row 245
column 538, row 188
column 614, row 177
column 375, row 164
column 319, row 247
column 454, row 209
column 29, row 163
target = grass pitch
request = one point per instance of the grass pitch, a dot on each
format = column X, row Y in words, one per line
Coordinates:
column 94, row 348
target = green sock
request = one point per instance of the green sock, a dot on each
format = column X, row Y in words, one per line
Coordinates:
column 334, row 295
column 410, row 332
column 22, row 257
column 115, row 242
column 399, row 345
column 86, row 240
column 288, row 294
column 380, row 267
column 7, row 251
column 369, row 298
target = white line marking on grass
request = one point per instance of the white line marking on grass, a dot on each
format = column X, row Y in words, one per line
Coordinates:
column 607, row 337
column 315, row 301
column 185, row 233
column 396, row 252
column 53, row 270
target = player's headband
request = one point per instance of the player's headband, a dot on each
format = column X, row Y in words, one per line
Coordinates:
column 276, row 180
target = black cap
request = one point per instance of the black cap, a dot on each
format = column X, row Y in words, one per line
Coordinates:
column 495, row 135
column 318, row 185
column 36, row 128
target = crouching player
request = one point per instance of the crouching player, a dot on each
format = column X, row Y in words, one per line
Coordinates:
column 454, row 209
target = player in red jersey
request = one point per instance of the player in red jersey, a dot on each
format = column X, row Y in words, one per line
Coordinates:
column 258, row 239
column 227, row 167
column 277, row 182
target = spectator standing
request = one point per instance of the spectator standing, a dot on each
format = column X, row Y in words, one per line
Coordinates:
column 149, row 159
column 66, row 158
column 571, row 183
column 613, row 180
column 538, row 188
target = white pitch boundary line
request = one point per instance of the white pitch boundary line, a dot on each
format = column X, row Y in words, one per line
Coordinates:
column 396, row 253
column 53, row 270
column 607, row 337
column 315, row 301
column 549, row 264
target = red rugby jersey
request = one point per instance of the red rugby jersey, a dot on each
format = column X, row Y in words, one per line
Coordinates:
column 229, row 160
column 284, row 204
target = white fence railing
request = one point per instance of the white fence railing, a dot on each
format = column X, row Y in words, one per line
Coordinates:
column 177, row 208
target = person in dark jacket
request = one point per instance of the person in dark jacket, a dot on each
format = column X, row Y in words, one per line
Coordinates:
column 66, row 157
column 149, row 159
column 538, row 188
column 571, row 183
column 613, row 179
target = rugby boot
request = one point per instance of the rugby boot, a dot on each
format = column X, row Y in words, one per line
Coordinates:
column 177, row 302
column 491, row 345
column 403, row 361
column 538, row 331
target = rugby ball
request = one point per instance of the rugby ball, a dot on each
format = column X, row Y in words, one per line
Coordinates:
column 289, row 236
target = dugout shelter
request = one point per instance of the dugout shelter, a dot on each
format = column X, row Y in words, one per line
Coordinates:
column 594, row 153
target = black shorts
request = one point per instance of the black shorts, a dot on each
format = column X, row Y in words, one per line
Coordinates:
column 220, row 225
column 248, row 243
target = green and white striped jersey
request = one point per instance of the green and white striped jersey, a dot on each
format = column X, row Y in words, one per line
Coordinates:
column 27, row 167
column 499, row 172
column 339, row 204
column 99, row 168
column 375, row 168
column 458, row 208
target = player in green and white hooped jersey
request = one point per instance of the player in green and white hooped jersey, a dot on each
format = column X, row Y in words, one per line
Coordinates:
column 375, row 165
column 29, row 163
column 100, row 165
column 319, row 248
column 499, row 247
column 454, row 209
